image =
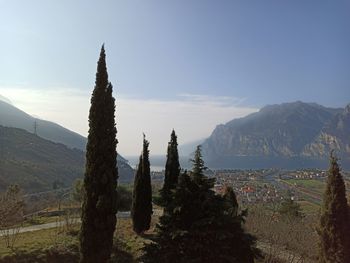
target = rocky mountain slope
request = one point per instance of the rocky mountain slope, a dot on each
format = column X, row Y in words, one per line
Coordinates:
column 334, row 135
column 290, row 134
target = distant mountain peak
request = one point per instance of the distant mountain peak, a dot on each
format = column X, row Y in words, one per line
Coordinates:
column 291, row 105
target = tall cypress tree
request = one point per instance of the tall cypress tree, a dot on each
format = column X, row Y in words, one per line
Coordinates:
column 141, row 210
column 172, row 172
column 334, row 224
column 100, row 181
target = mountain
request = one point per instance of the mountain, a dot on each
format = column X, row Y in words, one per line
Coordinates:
column 35, row 163
column 187, row 149
column 10, row 116
column 288, row 135
column 334, row 135
column 2, row 98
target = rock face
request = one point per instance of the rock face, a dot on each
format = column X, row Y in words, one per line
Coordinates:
column 334, row 135
column 300, row 132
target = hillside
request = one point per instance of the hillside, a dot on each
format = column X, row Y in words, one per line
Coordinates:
column 288, row 135
column 10, row 116
column 35, row 163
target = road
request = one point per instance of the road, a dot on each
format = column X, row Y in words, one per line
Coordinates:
column 51, row 225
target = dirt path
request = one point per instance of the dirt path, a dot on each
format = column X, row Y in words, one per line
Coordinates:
column 51, row 225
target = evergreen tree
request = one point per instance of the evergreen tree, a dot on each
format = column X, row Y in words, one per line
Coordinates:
column 334, row 224
column 100, row 181
column 141, row 211
column 198, row 165
column 172, row 172
column 201, row 226
column 231, row 199
column 290, row 209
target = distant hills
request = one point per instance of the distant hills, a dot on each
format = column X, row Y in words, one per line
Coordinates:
column 55, row 151
column 10, row 116
column 288, row 135
column 35, row 163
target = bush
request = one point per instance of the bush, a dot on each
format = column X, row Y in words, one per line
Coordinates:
column 124, row 198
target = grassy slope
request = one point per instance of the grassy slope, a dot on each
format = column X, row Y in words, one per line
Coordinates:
column 35, row 163
column 61, row 245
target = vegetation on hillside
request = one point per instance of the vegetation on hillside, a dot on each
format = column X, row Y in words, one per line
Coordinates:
column 34, row 163
column 201, row 226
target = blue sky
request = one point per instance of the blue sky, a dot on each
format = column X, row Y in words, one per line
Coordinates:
column 238, row 54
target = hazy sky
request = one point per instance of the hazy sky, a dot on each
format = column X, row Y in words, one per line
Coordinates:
column 180, row 64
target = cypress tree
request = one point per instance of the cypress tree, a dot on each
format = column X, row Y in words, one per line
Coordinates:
column 172, row 172
column 231, row 199
column 201, row 226
column 141, row 210
column 100, row 181
column 334, row 223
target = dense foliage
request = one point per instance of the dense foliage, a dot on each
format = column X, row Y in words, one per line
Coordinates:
column 172, row 172
column 200, row 225
column 141, row 211
column 124, row 198
column 11, row 207
column 100, row 181
column 334, row 224
column 290, row 209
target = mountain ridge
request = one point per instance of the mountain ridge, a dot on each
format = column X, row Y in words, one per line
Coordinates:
column 287, row 130
column 11, row 116
column 35, row 163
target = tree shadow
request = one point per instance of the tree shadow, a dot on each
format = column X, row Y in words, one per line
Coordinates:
column 148, row 236
column 121, row 256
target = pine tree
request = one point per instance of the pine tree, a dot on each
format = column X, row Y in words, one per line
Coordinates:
column 172, row 172
column 141, row 211
column 197, row 173
column 201, row 226
column 100, row 181
column 334, row 224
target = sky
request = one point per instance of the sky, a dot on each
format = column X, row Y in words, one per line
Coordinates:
column 185, row 64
